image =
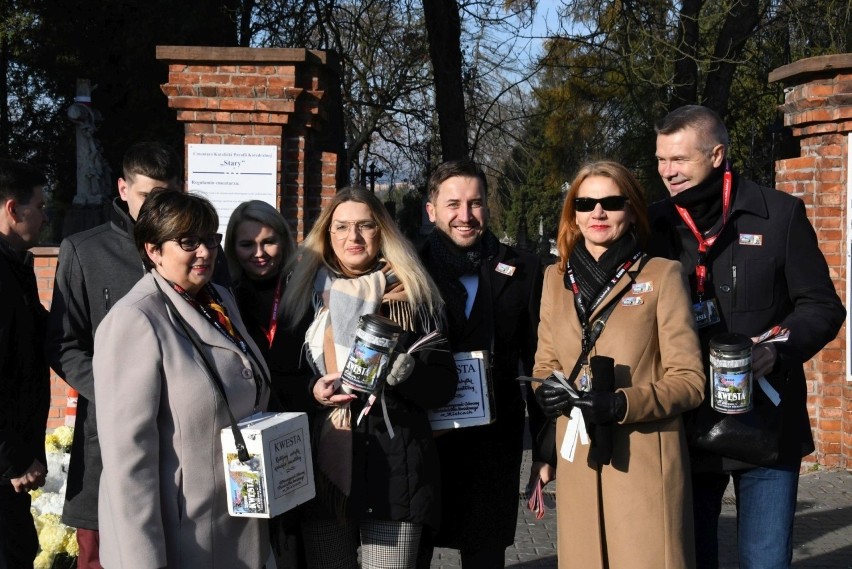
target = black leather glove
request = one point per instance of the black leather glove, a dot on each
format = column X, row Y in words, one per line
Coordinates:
column 554, row 401
column 601, row 407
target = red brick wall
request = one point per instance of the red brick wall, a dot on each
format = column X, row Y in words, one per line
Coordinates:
column 818, row 108
column 45, row 270
column 288, row 98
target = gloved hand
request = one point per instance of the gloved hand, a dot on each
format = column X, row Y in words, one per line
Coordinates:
column 553, row 401
column 601, row 407
column 401, row 367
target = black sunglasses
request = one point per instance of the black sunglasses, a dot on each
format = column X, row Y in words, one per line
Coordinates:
column 191, row 243
column 609, row 203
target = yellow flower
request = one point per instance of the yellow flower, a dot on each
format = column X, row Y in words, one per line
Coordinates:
column 51, row 538
column 51, row 443
column 43, row 560
column 34, row 494
column 71, row 547
column 64, row 436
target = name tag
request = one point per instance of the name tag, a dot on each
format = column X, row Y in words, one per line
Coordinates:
column 705, row 313
column 749, row 239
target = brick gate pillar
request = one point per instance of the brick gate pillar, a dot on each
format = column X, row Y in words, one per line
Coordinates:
column 818, row 108
column 289, row 98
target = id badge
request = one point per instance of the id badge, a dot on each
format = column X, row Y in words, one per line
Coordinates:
column 705, row 313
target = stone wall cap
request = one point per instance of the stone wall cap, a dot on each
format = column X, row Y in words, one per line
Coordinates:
column 799, row 71
column 45, row 251
column 281, row 55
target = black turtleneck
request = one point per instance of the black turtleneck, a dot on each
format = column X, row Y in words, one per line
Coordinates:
column 703, row 201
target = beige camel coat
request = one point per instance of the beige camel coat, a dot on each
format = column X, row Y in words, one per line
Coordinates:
column 635, row 513
column 163, row 499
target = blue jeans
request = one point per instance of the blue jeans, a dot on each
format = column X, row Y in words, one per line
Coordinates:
column 766, row 507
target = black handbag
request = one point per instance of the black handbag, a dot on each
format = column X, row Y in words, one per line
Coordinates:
column 753, row 437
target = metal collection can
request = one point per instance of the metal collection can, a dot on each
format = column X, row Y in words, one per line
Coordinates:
column 730, row 373
column 369, row 358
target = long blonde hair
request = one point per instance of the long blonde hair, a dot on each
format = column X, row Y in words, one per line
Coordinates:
column 316, row 251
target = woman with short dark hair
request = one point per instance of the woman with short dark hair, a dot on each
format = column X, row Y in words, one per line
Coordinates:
column 171, row 358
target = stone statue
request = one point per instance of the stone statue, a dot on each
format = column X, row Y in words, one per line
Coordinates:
column 93, row 174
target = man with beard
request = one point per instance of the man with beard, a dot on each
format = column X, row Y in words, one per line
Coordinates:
column 754, row 264
column 492, row 293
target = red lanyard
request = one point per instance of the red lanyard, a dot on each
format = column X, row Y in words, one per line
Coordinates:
column 273, row 318
column 704, row 244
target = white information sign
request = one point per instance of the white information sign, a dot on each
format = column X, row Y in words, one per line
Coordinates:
column 474, row 401
column 229, row 174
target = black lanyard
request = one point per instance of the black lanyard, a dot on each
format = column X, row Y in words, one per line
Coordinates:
column 583, row 314
column 232, row 335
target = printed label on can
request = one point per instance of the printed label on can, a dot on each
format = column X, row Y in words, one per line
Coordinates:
column 366, row 364
column 730, row 391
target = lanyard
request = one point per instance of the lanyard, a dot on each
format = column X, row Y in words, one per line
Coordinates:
column 705, row 243
column 233, row 335
column 582, row 312
column 273, row 318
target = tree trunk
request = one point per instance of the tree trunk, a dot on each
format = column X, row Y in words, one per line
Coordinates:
column 685, row 66
column 740, row 24
column 443, row 26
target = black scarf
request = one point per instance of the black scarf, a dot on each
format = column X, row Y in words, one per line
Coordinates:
column 21, row 266
column 703, row 201
column 447, row 264
column 592, row 276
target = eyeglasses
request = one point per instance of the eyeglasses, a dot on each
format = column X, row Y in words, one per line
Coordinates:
column 609, row 203
column 192, row 242
column 367, row 229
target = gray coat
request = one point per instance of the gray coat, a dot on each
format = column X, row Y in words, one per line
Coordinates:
column 162, row 494
column 96, row 268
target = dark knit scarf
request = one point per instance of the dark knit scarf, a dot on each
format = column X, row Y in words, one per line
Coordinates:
column 447, row 264
column 21, row 267
column 592, row 276
column 703, row 201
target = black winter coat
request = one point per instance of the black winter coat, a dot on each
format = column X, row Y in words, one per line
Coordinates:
column 506, row 310
column 765, row 269
column 24, row 375
column 397, row 478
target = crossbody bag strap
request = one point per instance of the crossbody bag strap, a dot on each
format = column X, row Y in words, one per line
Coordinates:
column 600, row 324
column 239, row 441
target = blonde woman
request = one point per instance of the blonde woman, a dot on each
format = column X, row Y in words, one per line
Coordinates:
column 377, row 489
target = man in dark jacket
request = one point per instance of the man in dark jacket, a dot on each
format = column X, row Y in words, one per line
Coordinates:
column 492, row 294
column 96, row 268
column 753, row 263
column 24, row 376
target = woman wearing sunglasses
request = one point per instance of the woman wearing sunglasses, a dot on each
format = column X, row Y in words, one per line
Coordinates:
column 622, row 498
column 171, row 359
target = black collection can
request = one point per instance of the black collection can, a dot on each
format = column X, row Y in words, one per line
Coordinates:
column 730, row 373
column 369, row 358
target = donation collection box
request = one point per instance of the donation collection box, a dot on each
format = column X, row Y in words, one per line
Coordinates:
column 279, row 474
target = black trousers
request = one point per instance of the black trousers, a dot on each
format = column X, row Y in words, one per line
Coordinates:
column 18, row 538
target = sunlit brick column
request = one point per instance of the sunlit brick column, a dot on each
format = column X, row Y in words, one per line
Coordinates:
column 818, row 108
column 44, row 264
column 289, row 98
